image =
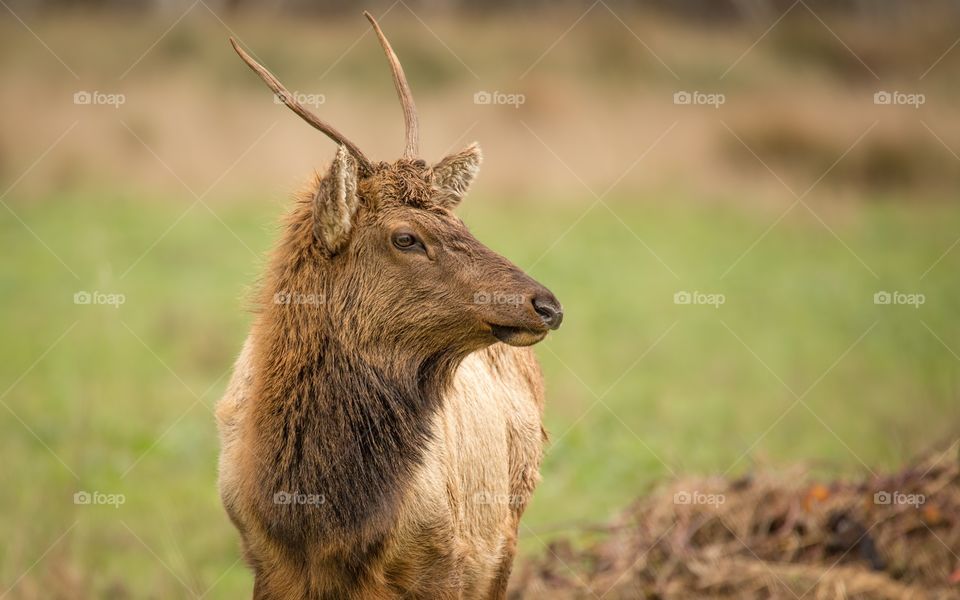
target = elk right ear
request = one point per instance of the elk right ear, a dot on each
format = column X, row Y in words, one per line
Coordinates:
column 453, row 175
column 336, row 202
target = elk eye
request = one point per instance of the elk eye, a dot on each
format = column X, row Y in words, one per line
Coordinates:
column 406, row 241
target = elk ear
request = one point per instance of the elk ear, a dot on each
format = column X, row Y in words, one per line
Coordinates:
column 335, row 202
column 452, row 175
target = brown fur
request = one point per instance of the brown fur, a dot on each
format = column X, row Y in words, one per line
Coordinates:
column 375, row 389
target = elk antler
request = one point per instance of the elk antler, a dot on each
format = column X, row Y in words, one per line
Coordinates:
column 411, row 149
column 291, row 102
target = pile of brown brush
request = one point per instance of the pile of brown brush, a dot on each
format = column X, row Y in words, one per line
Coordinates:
column 769, row 535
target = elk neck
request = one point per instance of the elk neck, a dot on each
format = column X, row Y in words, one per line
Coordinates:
column 330, row 422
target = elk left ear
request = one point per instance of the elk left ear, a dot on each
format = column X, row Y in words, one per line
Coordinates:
column 336, row 202
column 452, row 175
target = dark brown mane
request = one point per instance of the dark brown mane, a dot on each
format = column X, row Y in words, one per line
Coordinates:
column 332, row 423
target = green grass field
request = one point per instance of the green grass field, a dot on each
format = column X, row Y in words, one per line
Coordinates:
column 118, row 400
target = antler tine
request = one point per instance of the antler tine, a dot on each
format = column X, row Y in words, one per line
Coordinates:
column 291, row 102
column 411, row 149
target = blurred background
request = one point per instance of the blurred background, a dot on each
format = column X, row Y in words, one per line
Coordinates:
column 747, row 207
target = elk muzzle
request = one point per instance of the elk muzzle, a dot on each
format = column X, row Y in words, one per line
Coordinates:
column 549, row 309
column 524, row 318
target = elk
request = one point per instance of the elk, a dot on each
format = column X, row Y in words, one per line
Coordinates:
column 381, row 433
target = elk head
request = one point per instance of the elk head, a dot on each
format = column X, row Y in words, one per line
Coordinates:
column 397, row 269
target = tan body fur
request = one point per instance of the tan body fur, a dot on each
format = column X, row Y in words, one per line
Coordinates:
column 461, row 512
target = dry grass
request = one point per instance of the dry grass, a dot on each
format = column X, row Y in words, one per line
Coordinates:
column 773, row 535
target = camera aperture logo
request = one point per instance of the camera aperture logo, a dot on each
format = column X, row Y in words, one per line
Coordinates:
column 699, row 98
column 288, row 297
column 897, row 498
column 95, row 297
column 899, row 298
column 896, row 98
column 288, row 498
column 498, row 498
column 497, row 97
column 97, row 98
column 83, row 498
column 499, row 298
column 697, row 498
column 314, row 100
column 695, row 297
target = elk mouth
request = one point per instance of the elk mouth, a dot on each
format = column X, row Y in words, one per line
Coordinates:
column 517, row 336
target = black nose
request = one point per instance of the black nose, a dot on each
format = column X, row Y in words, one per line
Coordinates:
column 549, row 310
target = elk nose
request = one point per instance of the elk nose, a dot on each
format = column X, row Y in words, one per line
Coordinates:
column 549, row 310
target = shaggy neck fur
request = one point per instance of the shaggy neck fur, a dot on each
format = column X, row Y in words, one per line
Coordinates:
column 338, row 428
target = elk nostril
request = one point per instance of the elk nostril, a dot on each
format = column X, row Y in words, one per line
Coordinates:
column 549, row 311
